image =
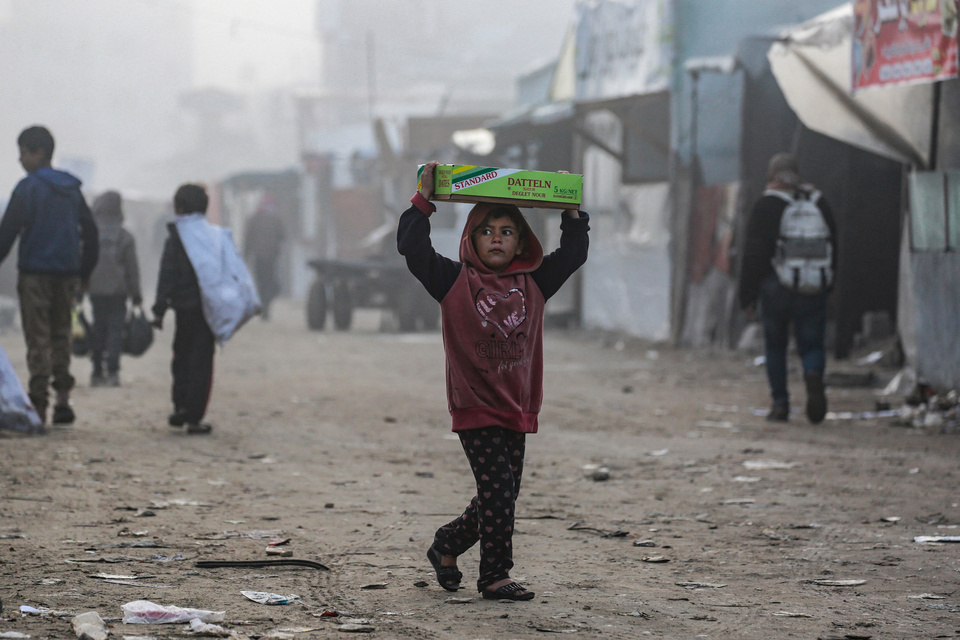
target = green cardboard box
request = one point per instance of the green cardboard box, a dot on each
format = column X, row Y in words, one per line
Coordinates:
column 545, row 189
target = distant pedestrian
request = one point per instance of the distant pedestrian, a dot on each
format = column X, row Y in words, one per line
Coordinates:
column 262, row 245
column 58, row 251
column 492, row 305
column 115, row 279
column 789, row 261
column 193, row 341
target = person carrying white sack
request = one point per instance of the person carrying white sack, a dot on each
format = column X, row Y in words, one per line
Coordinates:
column 204, row 280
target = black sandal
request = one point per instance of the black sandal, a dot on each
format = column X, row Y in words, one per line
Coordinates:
column 510, row 591
column 448, row 577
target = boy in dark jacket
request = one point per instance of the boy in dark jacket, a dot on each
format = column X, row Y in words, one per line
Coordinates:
column 492, row 304
column 115, row 278
column 193, row 341
column 58, row 250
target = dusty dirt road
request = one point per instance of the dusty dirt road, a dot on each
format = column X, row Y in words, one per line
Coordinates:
column 341, row 443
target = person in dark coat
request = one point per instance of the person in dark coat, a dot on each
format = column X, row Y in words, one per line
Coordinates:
column 263, row 243
column 193, row 341
column 780, row 306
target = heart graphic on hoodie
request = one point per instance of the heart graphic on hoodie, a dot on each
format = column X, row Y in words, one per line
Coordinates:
column 504, row 311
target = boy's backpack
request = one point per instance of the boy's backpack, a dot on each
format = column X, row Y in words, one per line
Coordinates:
column 803, row 259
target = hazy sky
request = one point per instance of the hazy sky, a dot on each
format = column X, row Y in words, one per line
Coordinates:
column 244, row 42
column 109, row 77
column 240, row 43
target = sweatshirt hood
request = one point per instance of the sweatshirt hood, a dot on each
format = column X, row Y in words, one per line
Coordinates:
column 528, row 260
column 60, row 181
column 106, row 208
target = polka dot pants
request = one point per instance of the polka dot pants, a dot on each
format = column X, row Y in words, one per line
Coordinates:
column 496, row 457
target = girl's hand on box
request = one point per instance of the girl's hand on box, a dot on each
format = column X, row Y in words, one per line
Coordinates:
column 427, row 179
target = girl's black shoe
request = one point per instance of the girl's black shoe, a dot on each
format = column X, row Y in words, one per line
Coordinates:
column 509, row 591
column 448, row 577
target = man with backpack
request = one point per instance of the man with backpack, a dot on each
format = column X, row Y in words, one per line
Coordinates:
column 789, row 262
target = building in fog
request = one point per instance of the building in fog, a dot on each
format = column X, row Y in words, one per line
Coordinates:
column 670, row 109
column 108, row 89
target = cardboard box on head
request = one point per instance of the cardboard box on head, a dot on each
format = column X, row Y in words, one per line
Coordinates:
column 543, row 189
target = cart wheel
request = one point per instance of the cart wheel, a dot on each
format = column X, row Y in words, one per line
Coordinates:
column 342, row 307
column 317, row 306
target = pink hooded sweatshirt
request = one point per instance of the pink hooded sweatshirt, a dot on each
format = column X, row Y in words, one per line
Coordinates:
column 493, row 337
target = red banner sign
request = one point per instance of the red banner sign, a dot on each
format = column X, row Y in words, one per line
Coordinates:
column 903, row 41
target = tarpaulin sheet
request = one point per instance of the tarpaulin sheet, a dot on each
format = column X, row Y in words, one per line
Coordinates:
column 811, row 63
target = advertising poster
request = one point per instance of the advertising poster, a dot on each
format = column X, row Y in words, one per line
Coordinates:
column 903, row 42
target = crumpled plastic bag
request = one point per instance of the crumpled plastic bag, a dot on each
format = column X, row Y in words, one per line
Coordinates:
column 270, row 598
column 146, row 612
column 204, row 629
column 16, row 411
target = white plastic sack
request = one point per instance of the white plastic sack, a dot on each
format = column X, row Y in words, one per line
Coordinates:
column 146, row 612
column 16, row 411
column 226, row 287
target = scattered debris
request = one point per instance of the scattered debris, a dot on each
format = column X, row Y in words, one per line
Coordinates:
column 644, row 543
column 927, row 596
column 655, row 559
column 700, row 585
column 579, row 526
column 746, row 479
column 146, row 612
column 159, row 557
column 252, row 535
column 114, row 576
column 27, row 610
column 14, row 635
column 270, row 598
column 200, row 628
column 739, row 501
column 89, row 626
column 792, row 614
column 274, row 551
column 836, row 583
column 715, row 424
column 890, row 519
column 374, row 585
column 759, row 465
column 596, row 472
column 278, row 562
column 638, row 614
column 460, row 600
column 355, row 627
column 927, row 539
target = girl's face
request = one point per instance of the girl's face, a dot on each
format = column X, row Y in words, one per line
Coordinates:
column 497, row 242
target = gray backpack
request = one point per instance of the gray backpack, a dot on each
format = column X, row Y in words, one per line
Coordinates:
column 803, row 259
